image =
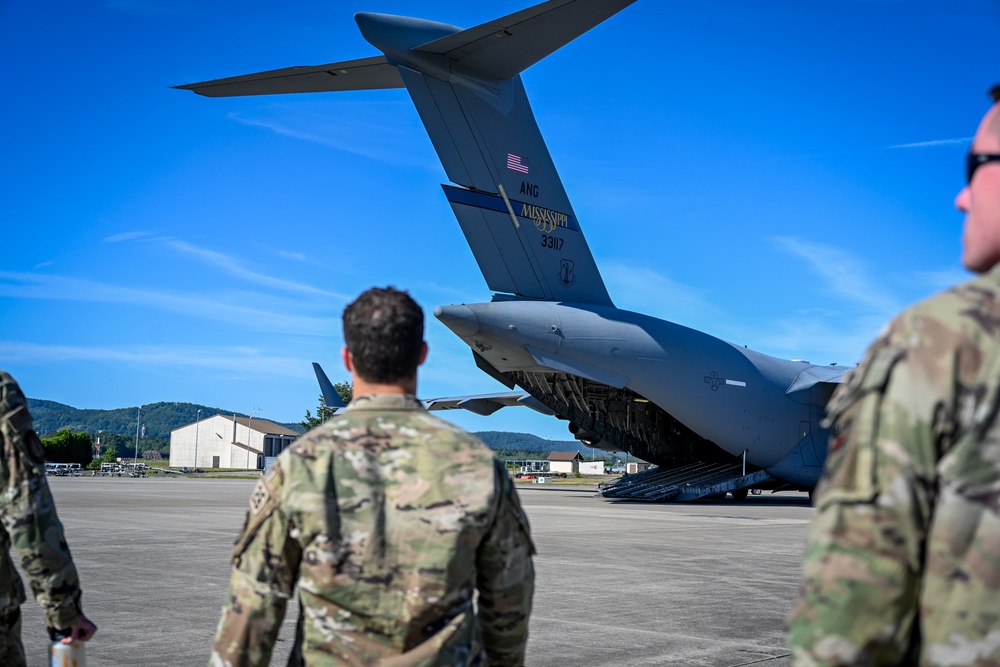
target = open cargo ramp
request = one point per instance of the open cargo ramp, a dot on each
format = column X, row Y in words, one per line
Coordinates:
column 688, row 482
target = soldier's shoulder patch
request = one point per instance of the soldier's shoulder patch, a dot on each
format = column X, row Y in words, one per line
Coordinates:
column 264, row 495
column 260, row 496
column 264, row 501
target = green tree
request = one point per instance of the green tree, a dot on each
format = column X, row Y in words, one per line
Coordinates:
column 345, row 390
column 69, row 447
column 325, row 412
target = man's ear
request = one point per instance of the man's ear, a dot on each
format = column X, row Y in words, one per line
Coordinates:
column 423, row 353
column 345, row 355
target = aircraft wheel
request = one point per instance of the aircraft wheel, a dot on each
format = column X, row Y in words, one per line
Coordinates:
column 739, row 495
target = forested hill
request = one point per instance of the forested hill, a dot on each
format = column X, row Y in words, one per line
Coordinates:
column 525, row 442
column 161, row 418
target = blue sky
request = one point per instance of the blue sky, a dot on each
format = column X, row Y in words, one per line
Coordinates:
column 778, row 174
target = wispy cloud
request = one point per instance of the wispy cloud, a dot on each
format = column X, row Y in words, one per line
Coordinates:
column 231, row 265
column 934, row 143
column 126, row 236
column 300, row 257
column 829, row 333
column 294, row 256
column 40, row 286
column 819, row 338
column 231, row 359
column 935, row 281
column 823, row 335
column 637, row 288
column 383, row 135
column 228, row 263
column 845, row 275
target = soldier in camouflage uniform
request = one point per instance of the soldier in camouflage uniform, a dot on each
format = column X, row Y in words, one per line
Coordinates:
column 29, row 523
column 389, row 521
column 903, row 561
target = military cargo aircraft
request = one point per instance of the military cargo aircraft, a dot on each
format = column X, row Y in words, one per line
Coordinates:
column 716, row 417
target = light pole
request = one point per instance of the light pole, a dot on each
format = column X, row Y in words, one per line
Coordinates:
column 197, row 425
column 248, row 440
column 135, row 461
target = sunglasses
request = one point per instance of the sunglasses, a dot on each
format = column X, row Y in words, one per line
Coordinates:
column 974, row 161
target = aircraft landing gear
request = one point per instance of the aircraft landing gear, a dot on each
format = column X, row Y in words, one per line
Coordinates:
column 739, row 495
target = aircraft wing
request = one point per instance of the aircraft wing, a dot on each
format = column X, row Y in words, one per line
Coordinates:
column 480, row 404
column 362, row 74
column 487, row 404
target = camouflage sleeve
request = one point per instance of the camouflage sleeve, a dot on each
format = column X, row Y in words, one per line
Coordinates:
column 265, row 566
column 859, row 597
column 28, row 513
column 506, row 578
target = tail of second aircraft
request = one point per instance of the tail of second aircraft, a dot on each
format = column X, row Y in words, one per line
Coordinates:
column 467, row 88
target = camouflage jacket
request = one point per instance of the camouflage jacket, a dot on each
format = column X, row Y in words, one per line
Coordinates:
column 389, row 520
column 903, row 560
column 29, row 521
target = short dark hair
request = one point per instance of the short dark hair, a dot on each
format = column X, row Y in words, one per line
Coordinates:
column 995, row 93
column 384, row 332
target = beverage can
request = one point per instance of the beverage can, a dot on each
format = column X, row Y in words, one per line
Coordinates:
column 67, row 655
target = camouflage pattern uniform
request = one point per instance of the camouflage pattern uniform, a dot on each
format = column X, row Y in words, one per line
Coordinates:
column 29, row 523
column 903, row 560
column 389, row 520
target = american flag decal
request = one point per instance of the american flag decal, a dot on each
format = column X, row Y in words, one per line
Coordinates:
column 517, row 163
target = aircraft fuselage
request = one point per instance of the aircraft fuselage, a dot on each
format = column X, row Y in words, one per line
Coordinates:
column 732, row 396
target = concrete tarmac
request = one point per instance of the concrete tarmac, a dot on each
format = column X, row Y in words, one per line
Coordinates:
column 616, row 583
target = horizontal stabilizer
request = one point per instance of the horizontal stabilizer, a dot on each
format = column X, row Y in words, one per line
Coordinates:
column 362, row 74
column 505, row 47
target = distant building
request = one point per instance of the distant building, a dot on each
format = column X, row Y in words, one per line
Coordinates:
column 227, row 442
column 567, row 462
column 591, row 467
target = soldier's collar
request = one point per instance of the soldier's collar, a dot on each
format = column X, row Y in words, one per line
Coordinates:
column 385, row 402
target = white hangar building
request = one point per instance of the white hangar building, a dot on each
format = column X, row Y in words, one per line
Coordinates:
column 223, row 441
column 563, row 462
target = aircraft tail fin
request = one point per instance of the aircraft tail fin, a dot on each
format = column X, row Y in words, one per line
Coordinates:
column 330, row 395
column 467, row 89
column 465, row 84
